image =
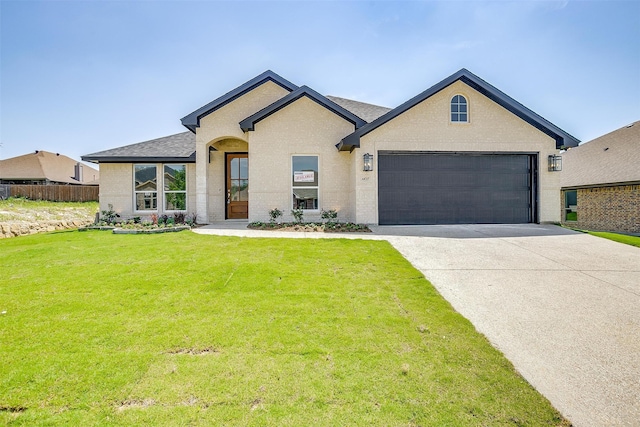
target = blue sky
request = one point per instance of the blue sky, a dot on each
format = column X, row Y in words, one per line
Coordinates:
column 84, row 76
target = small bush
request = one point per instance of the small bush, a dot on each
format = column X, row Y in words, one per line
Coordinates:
column 297, row 214
column 274, row 214
column 330, row 216
column 190, row 219
column 179, row 217
column 110, row 216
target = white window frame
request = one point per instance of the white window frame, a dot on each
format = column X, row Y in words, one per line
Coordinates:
column 451, row 113
column 312, row 187
column 135, row 192
column 185, row 191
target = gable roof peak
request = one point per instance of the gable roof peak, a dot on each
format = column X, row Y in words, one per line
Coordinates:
column 192, row 120
column 248, row 124
column 562, row 138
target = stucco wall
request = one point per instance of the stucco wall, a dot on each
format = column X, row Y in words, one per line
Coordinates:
column 304, row 128
column 116, row 188
column 223, row 124
column 615, row 209
column 426, row 127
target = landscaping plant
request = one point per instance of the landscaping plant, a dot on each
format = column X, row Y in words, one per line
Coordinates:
column 298, row 214
column 274, row 214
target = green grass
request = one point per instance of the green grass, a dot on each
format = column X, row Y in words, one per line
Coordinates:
column 622, row 238
column 185, row 329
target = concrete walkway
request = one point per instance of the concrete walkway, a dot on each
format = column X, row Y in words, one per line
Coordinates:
column 564, row 307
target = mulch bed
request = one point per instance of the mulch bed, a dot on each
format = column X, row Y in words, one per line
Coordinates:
column 339, row 227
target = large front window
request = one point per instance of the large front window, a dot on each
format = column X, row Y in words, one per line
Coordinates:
column 175, row 187
column 145, row 187
column 304, row 182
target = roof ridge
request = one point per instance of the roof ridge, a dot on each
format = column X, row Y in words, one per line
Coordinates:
column 355, row 100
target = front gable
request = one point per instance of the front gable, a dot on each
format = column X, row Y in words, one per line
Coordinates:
column 249, row 123
column 192, row 120
column 477, row 85
column 427, row 127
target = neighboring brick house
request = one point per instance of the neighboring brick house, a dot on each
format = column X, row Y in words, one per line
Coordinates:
column 460, row 152
column 45, row 168
column 601, row 182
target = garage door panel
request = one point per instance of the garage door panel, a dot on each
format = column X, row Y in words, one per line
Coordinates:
column 426, row 188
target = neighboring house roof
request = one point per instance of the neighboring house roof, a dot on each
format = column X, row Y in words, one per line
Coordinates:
column 180, row 147
column 192, row 121
column 563, row 139
column 46, row 166
column 250, row 122
column 367, row 112
column 613, row 158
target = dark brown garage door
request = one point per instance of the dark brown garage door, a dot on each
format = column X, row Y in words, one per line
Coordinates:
column 466, row 188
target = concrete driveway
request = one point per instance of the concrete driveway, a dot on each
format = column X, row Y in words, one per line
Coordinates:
column 564, row 307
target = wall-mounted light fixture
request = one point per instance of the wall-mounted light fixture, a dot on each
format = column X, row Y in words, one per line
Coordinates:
column 211, row 150
column 367, row 162
column 555, row 163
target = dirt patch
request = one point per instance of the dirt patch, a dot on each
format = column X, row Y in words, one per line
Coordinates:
column 13, row 409
column 133, row 404
column 195, row 351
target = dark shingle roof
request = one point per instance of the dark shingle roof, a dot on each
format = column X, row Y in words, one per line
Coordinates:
column 367, row 112
column 178, row 147
column 610, row 159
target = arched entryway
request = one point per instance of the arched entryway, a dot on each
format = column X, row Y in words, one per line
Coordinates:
column 228, row 179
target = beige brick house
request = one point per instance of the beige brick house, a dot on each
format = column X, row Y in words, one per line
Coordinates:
column 601, row 182
column 460, row 152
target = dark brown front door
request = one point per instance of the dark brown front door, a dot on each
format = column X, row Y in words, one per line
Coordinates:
column 237, row 186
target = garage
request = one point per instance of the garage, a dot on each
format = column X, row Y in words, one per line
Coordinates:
column 456, row 188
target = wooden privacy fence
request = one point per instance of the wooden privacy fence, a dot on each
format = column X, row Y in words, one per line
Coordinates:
column 56, row 193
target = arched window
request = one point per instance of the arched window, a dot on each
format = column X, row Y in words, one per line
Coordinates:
column 459, row 112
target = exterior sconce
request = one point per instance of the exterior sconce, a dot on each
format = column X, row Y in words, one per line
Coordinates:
column 367, row 162
column 211, row 150
column 555, row 163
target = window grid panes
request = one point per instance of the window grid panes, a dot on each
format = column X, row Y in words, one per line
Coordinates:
column 175, row 187
column 145, row 187
column 304, row 182
column 239, row 179
column 459, row 112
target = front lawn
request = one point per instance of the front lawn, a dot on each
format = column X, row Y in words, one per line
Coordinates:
column 621, row 238
column 186, row 329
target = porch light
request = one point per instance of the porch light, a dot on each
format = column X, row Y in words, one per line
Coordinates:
column 555, row 163
column 211, row 150
column 367, row 162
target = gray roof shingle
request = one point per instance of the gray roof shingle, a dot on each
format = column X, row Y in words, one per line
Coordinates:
column 610, row 159
column 178, row 147
column 367, row 112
